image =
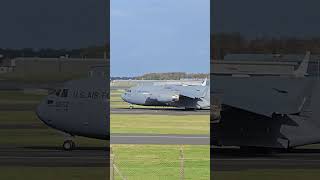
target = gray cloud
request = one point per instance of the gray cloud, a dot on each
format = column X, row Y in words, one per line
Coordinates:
column 55, row 24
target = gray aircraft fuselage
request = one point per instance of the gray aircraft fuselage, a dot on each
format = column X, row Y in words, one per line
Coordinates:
column 272, row 112
column 189, row 97
column 79, row 108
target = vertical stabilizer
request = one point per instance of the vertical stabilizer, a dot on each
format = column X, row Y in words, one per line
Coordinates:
column 302, row 69
column 204, row 83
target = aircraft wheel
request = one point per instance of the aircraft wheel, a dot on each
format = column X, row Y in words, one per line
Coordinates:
column 69, row 145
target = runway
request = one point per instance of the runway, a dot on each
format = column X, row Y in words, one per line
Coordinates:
column 166, row 139
column 166, row 111
column 53, row 157
column 234, row 160
column 222, row 159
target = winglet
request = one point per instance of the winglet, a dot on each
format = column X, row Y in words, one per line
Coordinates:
column 302, row 69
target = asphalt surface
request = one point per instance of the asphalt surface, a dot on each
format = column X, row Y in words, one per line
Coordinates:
column 53, row 157
column 165, row 139
column 236, row 160
column 166, row 111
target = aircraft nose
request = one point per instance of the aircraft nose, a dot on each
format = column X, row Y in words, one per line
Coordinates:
column 124, row 97
column 41, row 112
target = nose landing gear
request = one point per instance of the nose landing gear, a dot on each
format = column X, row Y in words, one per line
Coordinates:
column 69, row 145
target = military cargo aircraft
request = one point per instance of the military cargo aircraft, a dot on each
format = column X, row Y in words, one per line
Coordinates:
column 266, row 111
column 182, row 96
column 79, row 108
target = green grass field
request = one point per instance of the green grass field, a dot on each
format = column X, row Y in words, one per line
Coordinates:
column 161, row 162
column 18, row 117
column 160, row 124
column 22, row 96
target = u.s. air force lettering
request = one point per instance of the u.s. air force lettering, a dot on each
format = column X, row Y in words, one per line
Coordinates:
column 94, row 94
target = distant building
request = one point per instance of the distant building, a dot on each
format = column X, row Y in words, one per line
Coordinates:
column 269, row 57
column 51, row 65
column 52, row 68
column 251, row 68
column 268, row 64
column 98, row 71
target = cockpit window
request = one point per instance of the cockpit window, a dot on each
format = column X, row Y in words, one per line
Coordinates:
column 58, row 91
column 52, row 91
column 64, row 93
column 129, row 91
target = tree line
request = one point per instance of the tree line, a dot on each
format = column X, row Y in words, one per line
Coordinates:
column 172, row 76
column 87, row 52
column 227, row 43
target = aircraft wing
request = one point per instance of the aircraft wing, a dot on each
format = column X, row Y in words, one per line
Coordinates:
column 263, row 95
column 192, row 92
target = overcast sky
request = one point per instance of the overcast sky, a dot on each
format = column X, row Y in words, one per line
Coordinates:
column 151, row 35
column 159, row 36
column 52, row 24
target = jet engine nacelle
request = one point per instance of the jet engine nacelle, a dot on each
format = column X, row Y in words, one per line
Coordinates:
column 166, row 98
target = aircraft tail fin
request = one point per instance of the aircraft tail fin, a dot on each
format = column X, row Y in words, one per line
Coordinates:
column 302, row 69
column 206, row 89
column 205, row 82
column 206, row 92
